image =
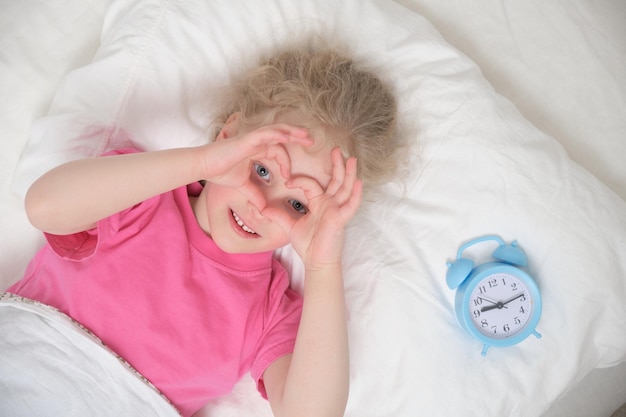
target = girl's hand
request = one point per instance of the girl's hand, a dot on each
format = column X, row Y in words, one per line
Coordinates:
column 318, row 235
column 228, row 161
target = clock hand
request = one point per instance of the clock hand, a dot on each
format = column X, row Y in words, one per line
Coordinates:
column 514, row 298
column 492, row 307
column 487, row 300
column 499, row 304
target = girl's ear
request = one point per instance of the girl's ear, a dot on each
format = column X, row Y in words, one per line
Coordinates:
column 230, row 128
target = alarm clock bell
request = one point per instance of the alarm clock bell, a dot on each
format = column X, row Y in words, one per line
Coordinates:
column 462, row 267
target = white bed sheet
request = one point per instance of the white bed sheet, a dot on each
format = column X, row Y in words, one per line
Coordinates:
column 590, row 103
column 563, row 64
column 40, row 42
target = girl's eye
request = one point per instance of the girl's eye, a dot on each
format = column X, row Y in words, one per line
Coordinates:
column 262, row 172
column 298, row 206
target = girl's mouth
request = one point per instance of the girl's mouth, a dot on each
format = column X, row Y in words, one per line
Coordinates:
column 241, row 224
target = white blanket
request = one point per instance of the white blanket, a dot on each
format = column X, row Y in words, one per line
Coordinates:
column 51, row 367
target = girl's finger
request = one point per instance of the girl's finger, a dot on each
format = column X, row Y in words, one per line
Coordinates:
column 254, row 195
column 284, row 220
column 309, row 186
column 349, row 180
column 280, row 133
column 351, row 206
column 279, row 154
column 338, row 171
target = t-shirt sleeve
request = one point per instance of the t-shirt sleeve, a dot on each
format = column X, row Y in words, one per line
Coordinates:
column 280, row 335
column 82, row 245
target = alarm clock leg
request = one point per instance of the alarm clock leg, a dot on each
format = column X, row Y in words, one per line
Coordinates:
column 485, row 348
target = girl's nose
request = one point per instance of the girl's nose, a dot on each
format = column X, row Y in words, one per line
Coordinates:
column 256, row 213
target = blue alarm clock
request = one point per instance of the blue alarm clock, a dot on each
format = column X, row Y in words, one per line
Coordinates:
column 497, row 302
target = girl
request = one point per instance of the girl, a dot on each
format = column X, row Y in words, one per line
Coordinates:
column 166, row 256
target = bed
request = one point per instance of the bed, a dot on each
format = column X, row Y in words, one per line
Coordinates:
column 515, row 118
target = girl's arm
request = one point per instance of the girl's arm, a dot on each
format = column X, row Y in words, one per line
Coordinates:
column 314, row 380
column 74, row 196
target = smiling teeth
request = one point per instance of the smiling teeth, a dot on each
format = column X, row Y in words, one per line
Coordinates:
column 242, row 225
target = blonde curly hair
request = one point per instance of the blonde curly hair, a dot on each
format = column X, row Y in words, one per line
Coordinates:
column 351, row 102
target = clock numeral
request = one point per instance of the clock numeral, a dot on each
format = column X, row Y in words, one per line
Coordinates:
column 505, row 328
column 476, row 314
column 484, row 323
column 514, row 286
column 517, row 321
column 482, row 289
column 521, row 310
column 493, row 283
column 478, row 301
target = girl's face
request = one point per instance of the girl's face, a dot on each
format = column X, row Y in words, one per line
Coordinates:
column 237, row 226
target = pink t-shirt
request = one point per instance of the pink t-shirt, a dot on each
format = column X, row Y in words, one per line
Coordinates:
column 159, row 292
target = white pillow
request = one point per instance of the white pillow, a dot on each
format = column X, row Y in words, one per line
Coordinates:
column 476, row 167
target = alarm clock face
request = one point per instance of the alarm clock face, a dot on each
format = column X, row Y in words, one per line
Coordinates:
column 500, row 306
